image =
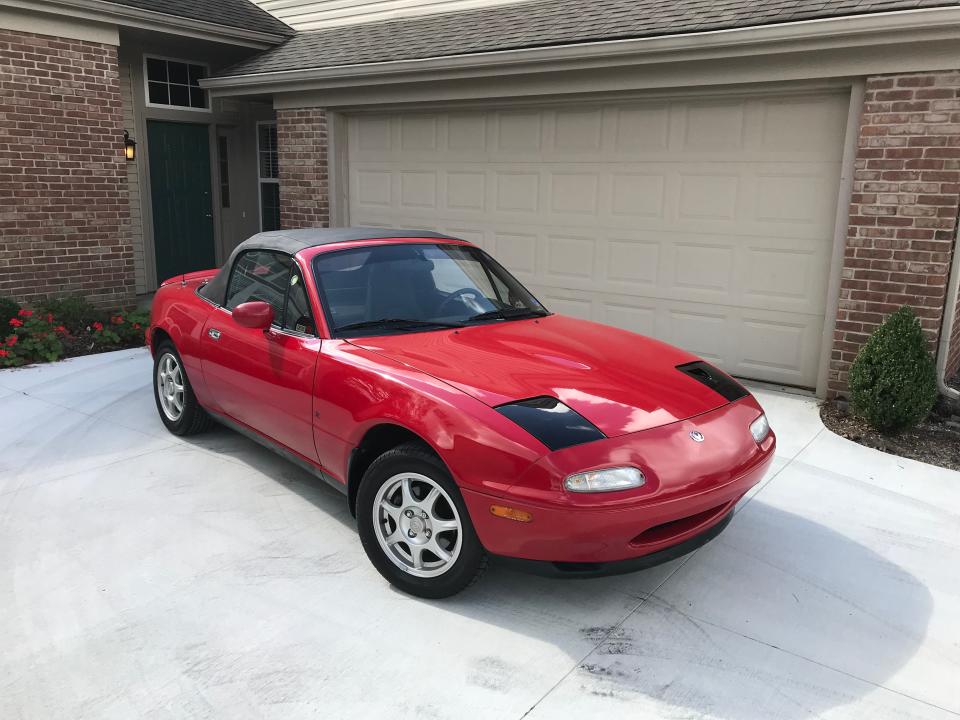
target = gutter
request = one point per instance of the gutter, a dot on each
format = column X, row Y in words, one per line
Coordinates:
column 949, row 318
column 848, row 31
column 108, row 12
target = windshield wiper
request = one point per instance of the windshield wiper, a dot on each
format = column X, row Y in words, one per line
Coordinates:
column 388, row 322
column 508, row 313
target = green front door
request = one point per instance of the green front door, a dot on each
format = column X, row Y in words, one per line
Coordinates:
column 182, row 204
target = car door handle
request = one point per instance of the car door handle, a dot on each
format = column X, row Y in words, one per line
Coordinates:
column 213, row 333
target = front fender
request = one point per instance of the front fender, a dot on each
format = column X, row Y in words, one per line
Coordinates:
column 358, row 389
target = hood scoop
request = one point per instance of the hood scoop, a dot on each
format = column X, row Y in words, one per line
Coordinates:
column 551, row 422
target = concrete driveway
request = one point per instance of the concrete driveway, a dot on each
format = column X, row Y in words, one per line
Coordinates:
column 144, row 576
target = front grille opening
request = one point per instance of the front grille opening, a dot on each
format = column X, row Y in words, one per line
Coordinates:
column 668, row 530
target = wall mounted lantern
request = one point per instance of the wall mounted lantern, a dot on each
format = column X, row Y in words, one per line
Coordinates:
column 129, row 146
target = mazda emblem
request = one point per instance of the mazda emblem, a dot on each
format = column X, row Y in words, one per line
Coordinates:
column 696, row 436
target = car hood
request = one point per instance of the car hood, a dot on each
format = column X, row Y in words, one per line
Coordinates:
column 619, row 381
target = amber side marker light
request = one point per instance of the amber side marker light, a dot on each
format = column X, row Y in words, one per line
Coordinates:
column 511, row 513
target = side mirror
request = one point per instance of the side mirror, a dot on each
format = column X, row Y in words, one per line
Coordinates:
column 257, row 315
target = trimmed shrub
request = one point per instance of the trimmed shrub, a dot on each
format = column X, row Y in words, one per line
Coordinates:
column 893, row 381
column 8, row 309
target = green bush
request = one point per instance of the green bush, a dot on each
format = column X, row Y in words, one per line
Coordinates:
column 75, row 312
column 32, row 338
column 8, row 309
column 893, row 381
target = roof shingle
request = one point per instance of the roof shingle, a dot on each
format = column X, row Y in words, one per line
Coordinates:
column 230, row 13
column 542, row 23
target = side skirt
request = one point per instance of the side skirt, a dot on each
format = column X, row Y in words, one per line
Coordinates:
column 279, row 449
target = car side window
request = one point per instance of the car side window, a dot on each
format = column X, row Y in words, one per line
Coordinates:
column 296, row 317
column 260, row 275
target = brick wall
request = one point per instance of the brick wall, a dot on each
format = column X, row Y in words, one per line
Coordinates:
column 302, row 146
column 63, row 192
column 903, row 210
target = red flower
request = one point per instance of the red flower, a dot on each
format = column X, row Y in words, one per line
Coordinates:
column 136, row 326
column 50, row 318
column 61, row 329
column 25, row 313
column 3, row 353
column 12, row 340
column 98, row 326
column 16, row 323
column 118, row 320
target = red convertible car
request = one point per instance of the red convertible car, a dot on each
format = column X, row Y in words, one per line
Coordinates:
column 459, row 416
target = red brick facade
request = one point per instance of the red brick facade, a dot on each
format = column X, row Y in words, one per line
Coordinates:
column 64, row 212
column 302, row 146
column 903, row 211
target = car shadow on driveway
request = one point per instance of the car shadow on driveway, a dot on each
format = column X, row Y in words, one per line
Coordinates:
column 780, row 616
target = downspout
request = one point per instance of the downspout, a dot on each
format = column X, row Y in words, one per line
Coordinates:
column 949, row 318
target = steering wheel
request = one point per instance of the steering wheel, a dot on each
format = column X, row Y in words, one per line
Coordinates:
column 456, row 295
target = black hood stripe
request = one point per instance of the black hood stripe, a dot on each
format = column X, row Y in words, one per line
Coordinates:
column 551, row 422
column 715, row 379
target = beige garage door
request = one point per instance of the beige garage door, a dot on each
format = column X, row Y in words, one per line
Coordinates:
column 705, row 223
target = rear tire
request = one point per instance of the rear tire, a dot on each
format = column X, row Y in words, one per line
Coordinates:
column 176, row 403
column 414, row 525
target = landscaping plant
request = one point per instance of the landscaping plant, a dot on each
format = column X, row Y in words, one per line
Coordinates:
column 8, row 310
column 893, row 381
column 31, row 337
column 42, row 335
column 75, row 312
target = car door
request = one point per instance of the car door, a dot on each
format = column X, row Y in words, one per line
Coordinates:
column 264, row 378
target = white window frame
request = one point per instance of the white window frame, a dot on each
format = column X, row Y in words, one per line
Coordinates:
column 184, row 108
column 260, row 178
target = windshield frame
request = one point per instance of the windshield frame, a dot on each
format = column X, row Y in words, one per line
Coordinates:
column 385, row 330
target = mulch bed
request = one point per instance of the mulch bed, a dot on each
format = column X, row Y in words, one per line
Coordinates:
column 935, row 441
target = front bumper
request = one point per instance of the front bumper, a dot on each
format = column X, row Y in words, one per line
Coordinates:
column 617, row 567
column 691, row 489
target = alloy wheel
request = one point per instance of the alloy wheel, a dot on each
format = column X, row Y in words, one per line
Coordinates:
column 417, row 525
column 170, row 389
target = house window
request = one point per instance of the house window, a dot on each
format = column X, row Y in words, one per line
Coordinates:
column 175, row 83
column 269, row 172
column 222, row 163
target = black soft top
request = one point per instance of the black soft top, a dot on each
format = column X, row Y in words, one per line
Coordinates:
column 293, row 241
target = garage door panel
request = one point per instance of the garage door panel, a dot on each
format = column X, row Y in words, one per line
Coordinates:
column 808, row 125
column 752, row 201
column 418, row 190
column 577, row 131
column 777, row 346
column 713, row 127
column 705, row 222
column 782, row 274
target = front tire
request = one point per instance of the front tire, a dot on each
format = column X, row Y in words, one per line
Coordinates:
column 414, row 525
column 178, row 407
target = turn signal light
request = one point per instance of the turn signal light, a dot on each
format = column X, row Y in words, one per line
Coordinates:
column 511, row 513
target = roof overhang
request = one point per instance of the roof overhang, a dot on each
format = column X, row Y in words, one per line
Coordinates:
column 874, row 32
column 125, row 16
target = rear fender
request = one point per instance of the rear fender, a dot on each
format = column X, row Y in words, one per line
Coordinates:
column 179, row 312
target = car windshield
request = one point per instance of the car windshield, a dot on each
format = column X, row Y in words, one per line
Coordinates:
column 413, row 287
